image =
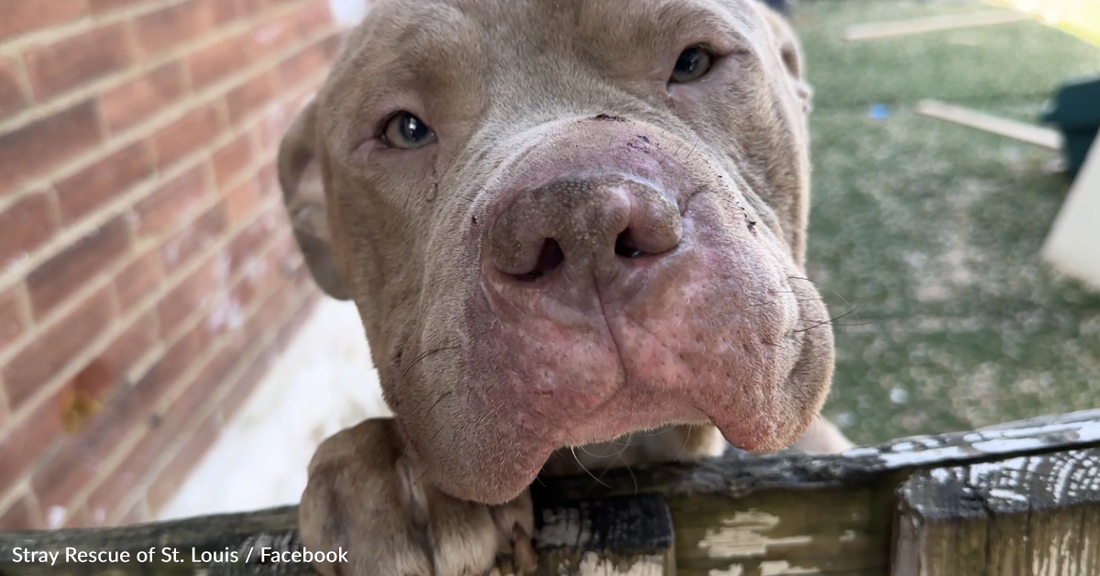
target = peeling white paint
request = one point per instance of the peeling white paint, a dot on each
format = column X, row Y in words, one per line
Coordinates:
column 733, row 570
column 561, row 530
column 914, row 452
column 1005, row 494
column 783, row 568
column 743, row 536
column 593, row 565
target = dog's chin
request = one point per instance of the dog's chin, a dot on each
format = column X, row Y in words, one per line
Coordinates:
column 506, row 473
column 493, row 463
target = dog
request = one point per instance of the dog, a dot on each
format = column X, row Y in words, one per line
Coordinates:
column 563, row 223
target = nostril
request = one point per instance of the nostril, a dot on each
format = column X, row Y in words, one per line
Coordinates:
column 550, row 258
column 626, row 247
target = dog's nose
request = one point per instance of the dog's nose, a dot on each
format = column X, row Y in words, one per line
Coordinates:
column 583, row 226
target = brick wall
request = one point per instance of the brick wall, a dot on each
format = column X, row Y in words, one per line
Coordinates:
column 147, row 273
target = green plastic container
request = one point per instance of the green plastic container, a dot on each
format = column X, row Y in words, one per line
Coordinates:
column 1075, row 110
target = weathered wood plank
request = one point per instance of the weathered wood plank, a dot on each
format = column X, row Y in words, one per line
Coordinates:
column 613, row 536
column 177, row 548
column 631, row 535
column 1022, row 131
column 779, row 514
column 1067, row 245
column 874, row 30
column 738, row 475
column 1013, row 517
column 792, row 513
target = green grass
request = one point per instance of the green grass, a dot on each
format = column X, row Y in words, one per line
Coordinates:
column 927, row 235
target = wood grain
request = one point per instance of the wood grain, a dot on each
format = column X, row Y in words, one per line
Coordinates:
column 1013, row 517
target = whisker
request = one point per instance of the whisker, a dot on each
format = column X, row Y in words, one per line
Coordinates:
column 824, row 322
column 573, row 451
column 684, row 446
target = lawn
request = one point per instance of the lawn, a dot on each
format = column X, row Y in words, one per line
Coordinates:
column 925, row 236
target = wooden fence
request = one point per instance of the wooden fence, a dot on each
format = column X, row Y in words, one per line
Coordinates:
column 1018, row 499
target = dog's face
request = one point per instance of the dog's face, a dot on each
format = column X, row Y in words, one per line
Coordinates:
column 566, row 221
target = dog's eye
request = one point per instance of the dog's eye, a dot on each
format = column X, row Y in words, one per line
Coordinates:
column 693, row 64
column 405, row 131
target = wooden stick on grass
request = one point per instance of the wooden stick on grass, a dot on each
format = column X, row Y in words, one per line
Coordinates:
column 932, row 24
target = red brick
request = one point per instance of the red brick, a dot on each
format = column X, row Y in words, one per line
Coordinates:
column 268, row 180
column 177, row 360
column 138, row 280
column 82, row 455
column 306, row 64
column 284, row 309
column 195, row 237
column 254, row 237
column 27, row 443
column 230, row 159
column 274, row 35
column 213, row 63
column 59, row 66
column 194, row 293
column 118, row 487
column 169, row 480
column 71, row 270
column 168, row 207
column 137, row 340
column 24, row 226
column 253, row 6
column 139, row 99
column 312, row 18
column 186, row 135
column 102, row 181
column 77, row 517
column 225, row 11
column 242, row 201
column 135, row 515
column 82, row 397
column 174, row 25
column 167, row 429
column 153, row 449
column 276, row 120
column 20, row 517
column 56, row 348
column 101, row 6
column 41, row 145
column 12, row 99
column 250, row 95
column 23, row 16
column 12, row 322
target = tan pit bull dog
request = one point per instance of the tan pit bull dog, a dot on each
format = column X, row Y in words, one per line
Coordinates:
column 563, row 222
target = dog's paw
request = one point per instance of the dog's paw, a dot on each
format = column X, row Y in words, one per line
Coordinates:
column 365, row 498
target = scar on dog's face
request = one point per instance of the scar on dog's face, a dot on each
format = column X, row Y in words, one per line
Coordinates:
column 567, row 221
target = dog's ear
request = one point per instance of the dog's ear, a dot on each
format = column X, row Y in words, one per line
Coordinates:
column 790, row 52
column 304, row 197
